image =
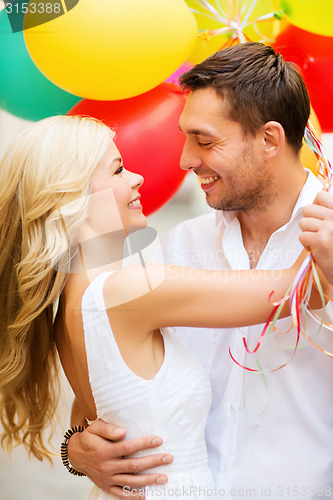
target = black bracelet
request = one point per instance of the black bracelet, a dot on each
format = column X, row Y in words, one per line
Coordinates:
column 64, row 450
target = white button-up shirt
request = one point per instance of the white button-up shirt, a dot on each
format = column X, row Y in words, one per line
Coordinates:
column 269, row 435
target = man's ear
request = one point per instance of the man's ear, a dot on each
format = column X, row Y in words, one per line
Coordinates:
column 274, row 138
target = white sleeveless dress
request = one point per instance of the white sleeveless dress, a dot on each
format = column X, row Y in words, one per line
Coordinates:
column 173, row 405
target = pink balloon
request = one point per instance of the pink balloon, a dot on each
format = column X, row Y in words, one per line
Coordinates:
column 174, row 78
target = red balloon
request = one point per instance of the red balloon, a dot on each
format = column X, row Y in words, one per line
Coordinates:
column 314, row 56
column 148, row 138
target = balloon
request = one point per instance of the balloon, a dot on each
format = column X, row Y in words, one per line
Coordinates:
column 279, row 24
column 310, row 15
column 227, row 16
column 319, row 79
column 314, row 56
column 308, row 158
column 112, row 49
column 148, row 138
column 174, row 78
column 24, row 91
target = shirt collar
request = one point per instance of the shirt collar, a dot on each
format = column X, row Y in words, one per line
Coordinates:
column 309, row 191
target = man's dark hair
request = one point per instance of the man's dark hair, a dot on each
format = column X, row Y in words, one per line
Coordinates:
column 259, row 87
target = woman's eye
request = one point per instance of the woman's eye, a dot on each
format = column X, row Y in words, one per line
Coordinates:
column 119, row 170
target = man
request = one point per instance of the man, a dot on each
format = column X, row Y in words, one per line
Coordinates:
column 269, row 432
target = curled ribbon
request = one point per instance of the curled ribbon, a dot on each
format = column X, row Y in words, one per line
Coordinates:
column 233, row 24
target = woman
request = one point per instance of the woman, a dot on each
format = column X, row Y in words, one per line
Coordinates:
column 67, row 206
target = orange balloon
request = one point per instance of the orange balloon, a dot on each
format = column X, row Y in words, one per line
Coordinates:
column 308, row 158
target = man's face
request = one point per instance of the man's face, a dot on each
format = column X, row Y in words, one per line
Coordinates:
column 229, row 163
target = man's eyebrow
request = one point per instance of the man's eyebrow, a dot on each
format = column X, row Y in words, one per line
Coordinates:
column 202, row 131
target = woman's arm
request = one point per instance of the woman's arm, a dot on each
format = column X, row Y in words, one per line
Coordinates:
column 169, row 295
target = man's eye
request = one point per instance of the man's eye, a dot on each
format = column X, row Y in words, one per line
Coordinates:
column 119, row 170
column 205, row 144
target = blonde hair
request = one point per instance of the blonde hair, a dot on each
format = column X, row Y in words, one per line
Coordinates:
column 49, row 167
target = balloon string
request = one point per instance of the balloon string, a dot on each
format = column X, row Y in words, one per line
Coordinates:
column 232, row 22
column 220, row 8
column 209, row 8
column 298, row 295
column 246, row 397
column 248, row 13
column 312, row 139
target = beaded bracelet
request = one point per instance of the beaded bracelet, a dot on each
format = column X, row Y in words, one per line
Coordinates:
column 64, row 450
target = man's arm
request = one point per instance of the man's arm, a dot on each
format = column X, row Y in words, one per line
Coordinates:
column 317, row 232
column 99, row 450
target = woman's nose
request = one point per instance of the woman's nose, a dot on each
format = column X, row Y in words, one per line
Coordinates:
column 136, row 179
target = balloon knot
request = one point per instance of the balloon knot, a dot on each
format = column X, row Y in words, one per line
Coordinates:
column 278, row 15
column 206, row 35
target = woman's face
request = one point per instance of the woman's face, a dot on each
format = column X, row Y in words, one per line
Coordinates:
column 115, row 199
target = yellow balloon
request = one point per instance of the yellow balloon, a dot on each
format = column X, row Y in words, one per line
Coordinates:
column 279, row 25
column 239, row 11
column 308, row 158
column 112, row 49
column 310, row 15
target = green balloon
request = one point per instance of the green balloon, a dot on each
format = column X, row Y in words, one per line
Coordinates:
column 24, row 91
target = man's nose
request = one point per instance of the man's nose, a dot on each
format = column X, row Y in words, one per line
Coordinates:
column 189, row 159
